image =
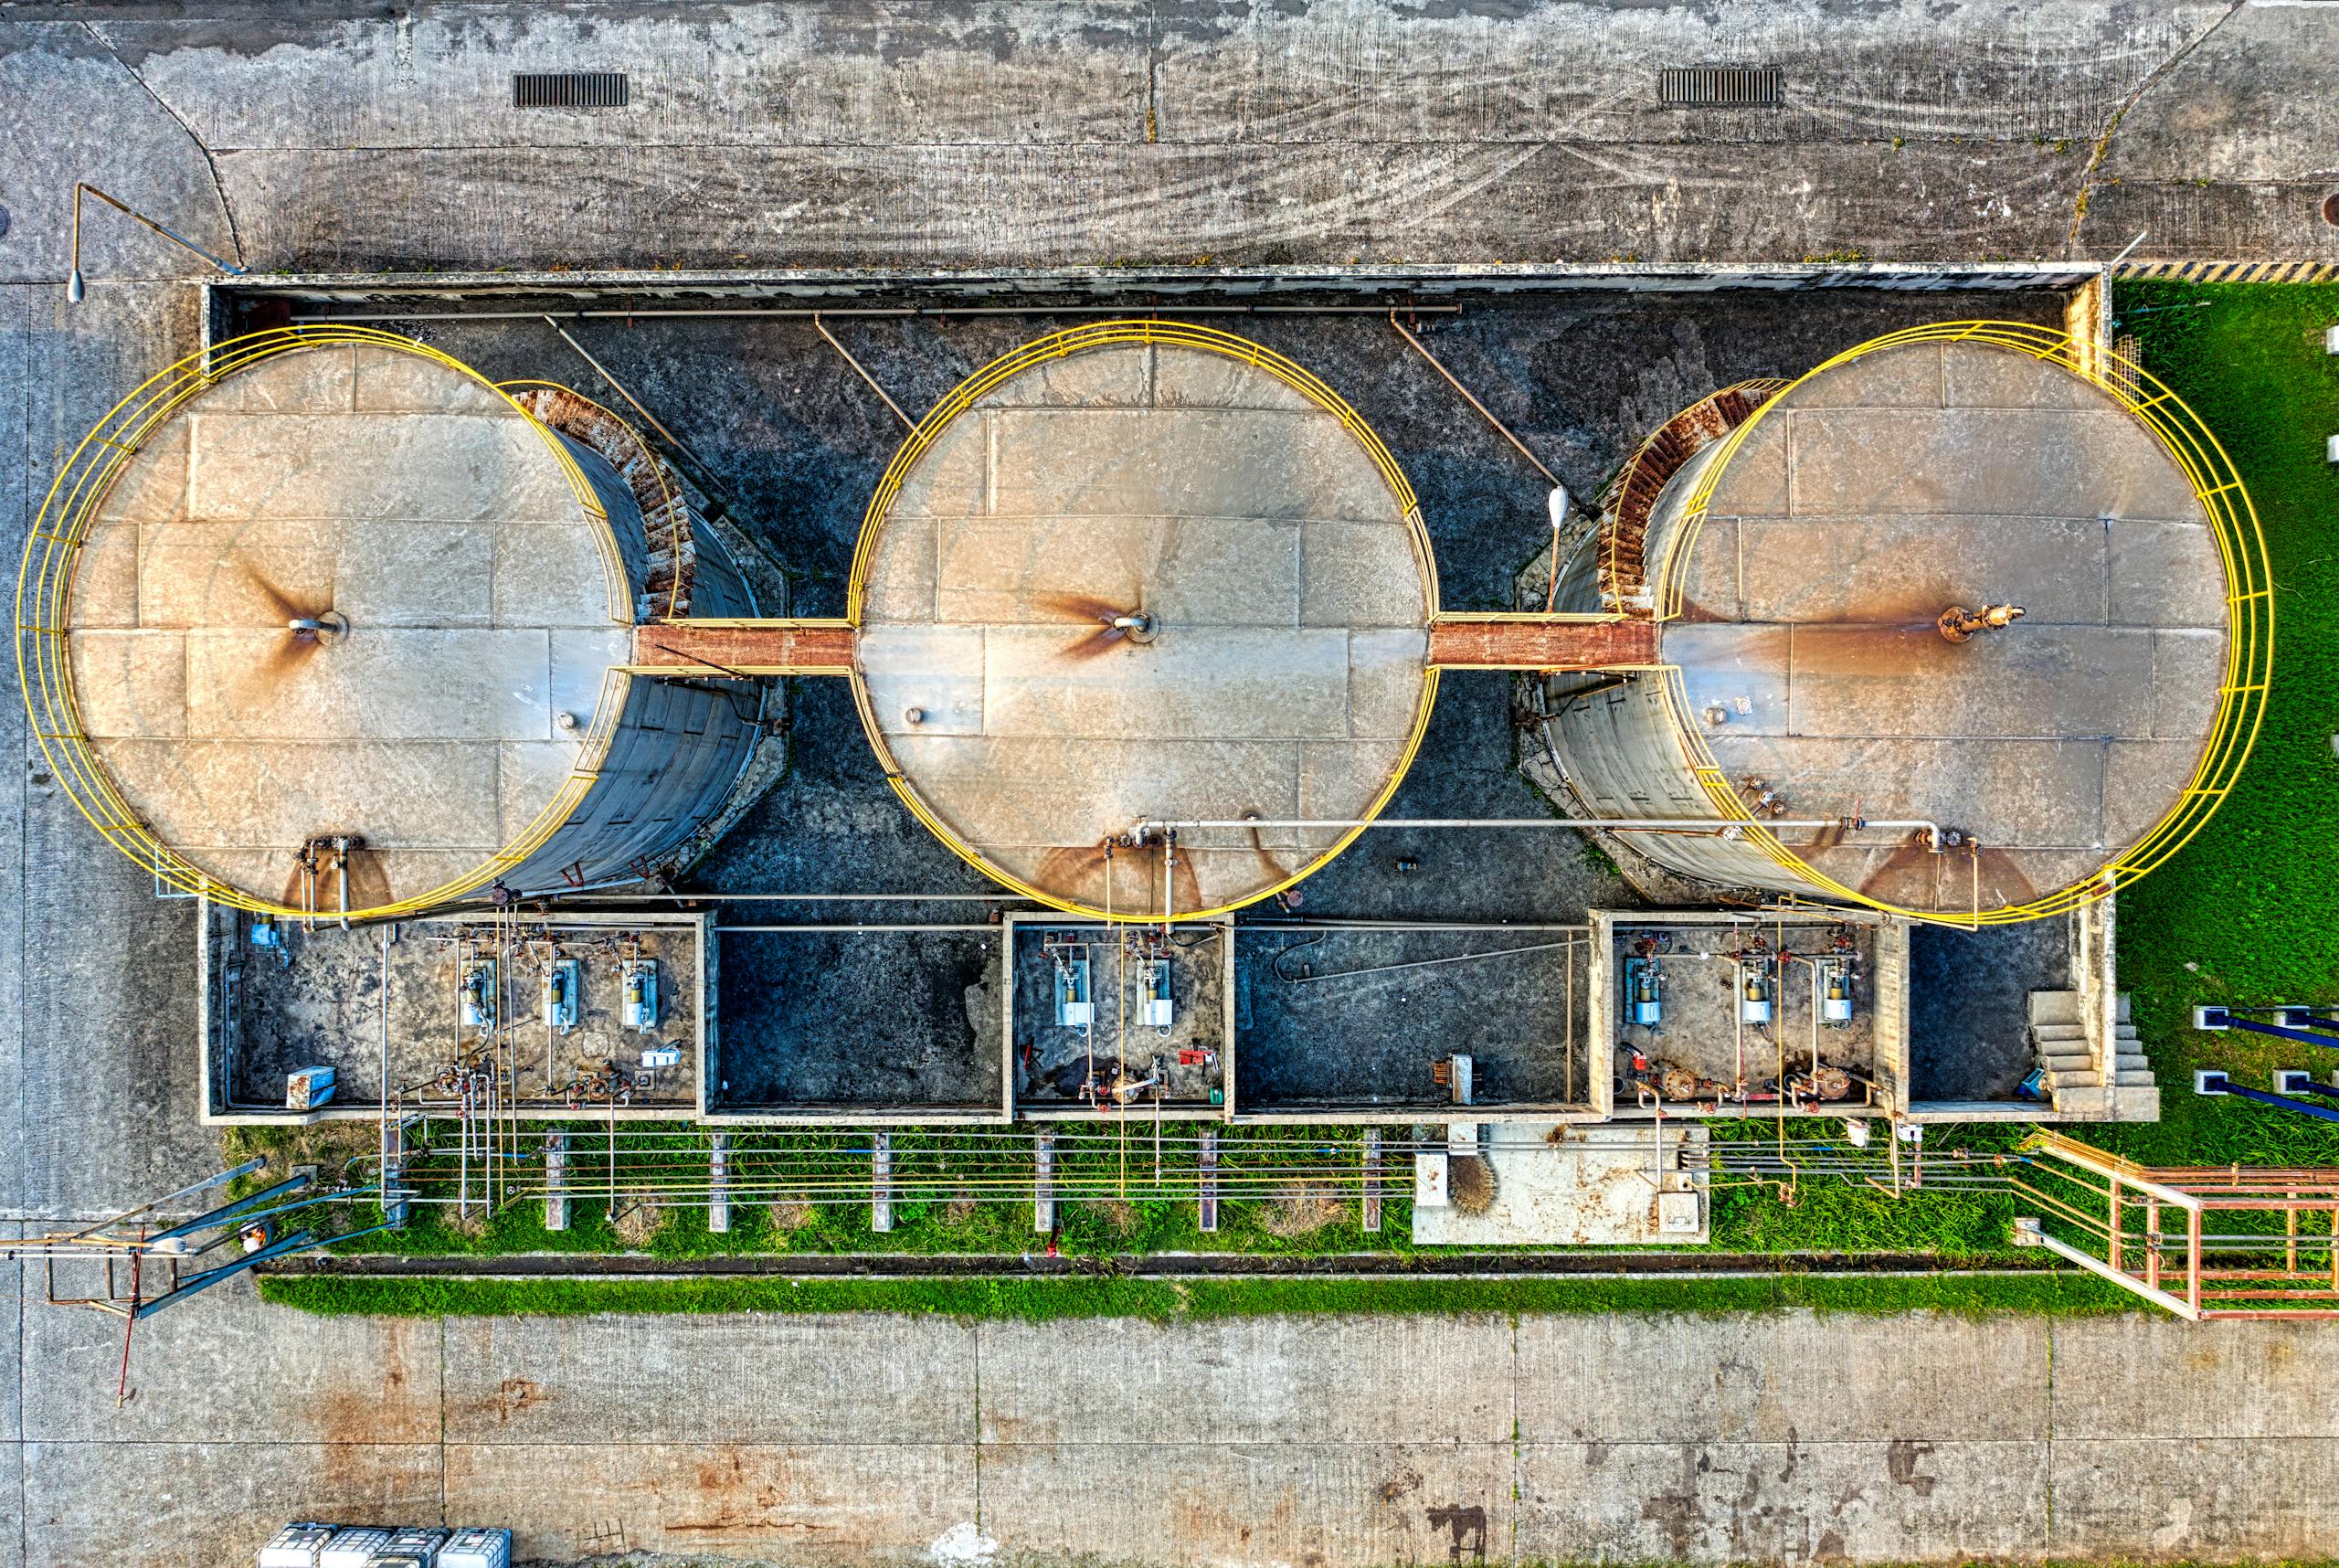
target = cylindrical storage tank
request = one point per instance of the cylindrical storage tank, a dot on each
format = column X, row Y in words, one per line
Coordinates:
column 1143, row 571
column 332, row 602
column 1800, row 546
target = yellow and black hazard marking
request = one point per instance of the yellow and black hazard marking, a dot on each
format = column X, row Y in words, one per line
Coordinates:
column 2232, row 271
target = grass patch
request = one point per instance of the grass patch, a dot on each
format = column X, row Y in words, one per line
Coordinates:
column 2250, row 912
column 1163, row 1300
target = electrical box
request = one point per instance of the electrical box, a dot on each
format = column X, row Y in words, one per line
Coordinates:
column 1754, row 994
column 662, row 1056
column 1644, row 1003
column 1677, row 1213
column 479, row 997
column 476, row 1548
column 641, row 983
column 1075, row 1007
column 294, row 1546
column 1154, row 1007
column 1429, row 1181
column 308, row 1088
column 560, row 995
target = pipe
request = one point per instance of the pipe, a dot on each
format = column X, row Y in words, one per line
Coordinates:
column 898, row 313
column 1146, row 826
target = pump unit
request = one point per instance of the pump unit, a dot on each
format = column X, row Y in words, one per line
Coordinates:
column 560, row 995
column 640, row 980
column 1836, row 994
column 1753, row 992
column 1074, row 1008
column 1644, row 985
column 478, row 995
column 1155, row 1007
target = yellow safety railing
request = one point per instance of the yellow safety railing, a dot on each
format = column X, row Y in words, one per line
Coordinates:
column 45, row 604
column 1081, row 340
column 2249, row 601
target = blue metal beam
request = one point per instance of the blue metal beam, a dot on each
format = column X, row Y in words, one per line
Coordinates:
column 222, row 1214
column 2216, row 1084
column 2224, row 1018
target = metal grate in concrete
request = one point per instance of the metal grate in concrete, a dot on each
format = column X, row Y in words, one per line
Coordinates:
column 1721, row 87
column 570, row 89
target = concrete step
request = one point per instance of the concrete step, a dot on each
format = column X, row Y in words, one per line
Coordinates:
column 2121, row 1008
column 2054, row 1007
column 2089, row 1079
column 2126, row 1079
column 2125, row 1031
column 2131, row 1059
column 2066, row 1062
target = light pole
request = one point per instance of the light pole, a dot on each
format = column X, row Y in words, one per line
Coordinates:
column 76, row 288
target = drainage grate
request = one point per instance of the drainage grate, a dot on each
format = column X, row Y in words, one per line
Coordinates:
column 1719, row 87
column 568, row 90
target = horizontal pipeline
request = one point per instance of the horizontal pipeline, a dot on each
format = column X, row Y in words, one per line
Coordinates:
column 1146, row 828
column 902, row 313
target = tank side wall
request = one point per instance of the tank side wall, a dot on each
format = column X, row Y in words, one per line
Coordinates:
column 718, row 588
column 1619, row 749
column 678, row 750
column 625, row 512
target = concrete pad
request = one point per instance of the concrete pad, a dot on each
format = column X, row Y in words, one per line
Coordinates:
column 1597, row 1188
column 2164, row 573
column 136, row 687
column 1285, row 600
column 12, row 1362
column 1183, row 461
column 1888, row 1500
column 1885, row 571
column 199, row 1505
column 196, row 1365
column 483, row 686
column 938, row 670
column 322, row 380
column 2214, row 1499
column 1741, row 1378
column 2037, row 683
column 1357, row 1379
column 1919, row 477
column 398, row 574
column 401, row 495
column 1230, row 571
column 1266, row 1503
column 752, row 1380
column 839, row 1503
column 550, row 575
column 2144, row 1376
column 1209, row 684
column 261, row 797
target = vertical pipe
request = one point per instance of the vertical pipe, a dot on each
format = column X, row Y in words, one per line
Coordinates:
column 2193, row 1258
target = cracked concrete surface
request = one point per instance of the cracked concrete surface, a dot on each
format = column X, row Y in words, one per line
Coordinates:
column 1017, row 132
column 1333, row 1441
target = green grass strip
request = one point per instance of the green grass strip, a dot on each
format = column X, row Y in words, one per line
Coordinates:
column 1157, row 1300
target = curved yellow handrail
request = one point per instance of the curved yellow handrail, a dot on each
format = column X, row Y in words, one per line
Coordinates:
column 45, row 599
column 2249, row 600
column 1059, row 345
